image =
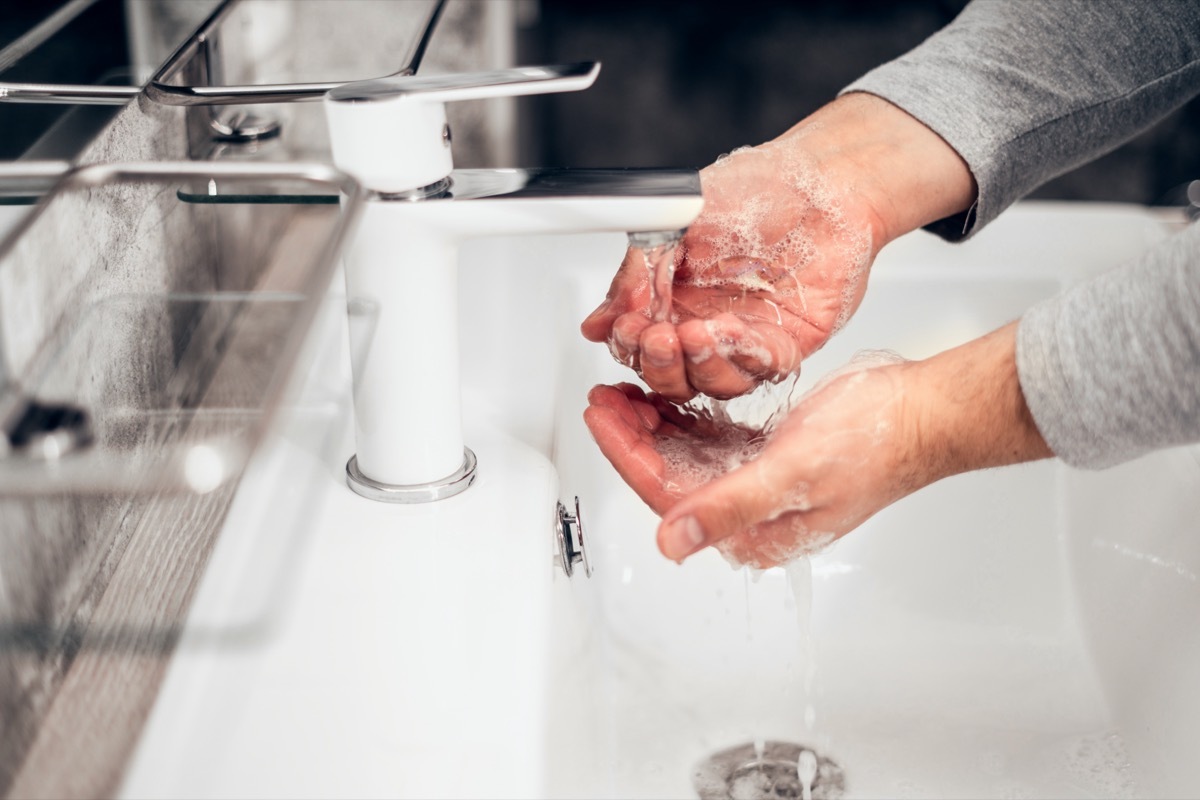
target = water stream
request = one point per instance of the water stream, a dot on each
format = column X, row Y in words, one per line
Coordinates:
column 760, row 775
column 661, row 260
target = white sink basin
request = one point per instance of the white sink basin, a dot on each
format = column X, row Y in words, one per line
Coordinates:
column 1028, row 632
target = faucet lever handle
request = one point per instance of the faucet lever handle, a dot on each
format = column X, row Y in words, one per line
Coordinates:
column 471, row 85
column 391, row 133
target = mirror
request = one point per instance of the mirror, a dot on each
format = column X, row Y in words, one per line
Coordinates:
column 65, row 65
column 107, row 48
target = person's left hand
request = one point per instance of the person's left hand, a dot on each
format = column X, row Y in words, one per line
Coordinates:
column 861, row 440
column 838, row 458
column 775, row 263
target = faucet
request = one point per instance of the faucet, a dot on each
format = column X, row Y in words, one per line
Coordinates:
column 392, row 135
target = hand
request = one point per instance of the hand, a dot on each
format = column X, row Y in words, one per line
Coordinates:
column 778, row 260
column 861, row 440
column 761, row 499
column 773, row 266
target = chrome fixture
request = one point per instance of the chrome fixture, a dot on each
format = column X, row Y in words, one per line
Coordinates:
column 163, row 88
column 769, row 769
column 449, row 486
column 30, row 178
column 572, row 545
column 202, row 54
column 648, row 240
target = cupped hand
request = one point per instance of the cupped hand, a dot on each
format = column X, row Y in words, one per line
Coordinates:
column 774, row 265
column 866, row 436
column 763, row 498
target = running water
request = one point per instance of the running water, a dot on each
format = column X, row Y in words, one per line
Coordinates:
column 806, row 771
column 790, row 269
column 791, row 686
column 661, row 260
column 799, row 577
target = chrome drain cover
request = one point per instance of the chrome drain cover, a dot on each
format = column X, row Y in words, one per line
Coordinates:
column 783, row 770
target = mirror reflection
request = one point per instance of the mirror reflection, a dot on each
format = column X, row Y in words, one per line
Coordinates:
column 84, row 43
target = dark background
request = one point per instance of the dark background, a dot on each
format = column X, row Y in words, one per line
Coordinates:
column 684, row 82
column 89, row 50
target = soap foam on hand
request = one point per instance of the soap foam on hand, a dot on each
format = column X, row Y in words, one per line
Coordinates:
column 774, row 233
column 712, row 445
column 773, row 248
column 721, row 436
column 788, row 237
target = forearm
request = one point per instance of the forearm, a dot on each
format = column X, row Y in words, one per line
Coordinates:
column 1025, row 90
column 969, row 410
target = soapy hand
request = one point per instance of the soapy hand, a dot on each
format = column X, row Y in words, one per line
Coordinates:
column 865, row 437
column 775, row 264
column 762, row 499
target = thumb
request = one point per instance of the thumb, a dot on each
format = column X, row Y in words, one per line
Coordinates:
column 629, row 278
column 743, row 497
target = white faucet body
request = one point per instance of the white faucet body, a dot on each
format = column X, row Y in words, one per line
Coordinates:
column 391, row 134
column 404, row 260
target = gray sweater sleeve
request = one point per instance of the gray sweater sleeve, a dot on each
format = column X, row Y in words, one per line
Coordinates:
column 1111, row 368
column 1025, row 90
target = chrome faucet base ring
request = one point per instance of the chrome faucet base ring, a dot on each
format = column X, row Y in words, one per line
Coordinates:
column 449, row 486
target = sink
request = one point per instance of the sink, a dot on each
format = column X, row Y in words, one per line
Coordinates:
column 1026, row 632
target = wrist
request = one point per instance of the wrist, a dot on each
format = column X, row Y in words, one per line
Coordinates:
column 905, row 173
column 970, row 410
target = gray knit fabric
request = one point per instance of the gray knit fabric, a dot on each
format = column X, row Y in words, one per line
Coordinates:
column 1111, row 368
column 1025, row 90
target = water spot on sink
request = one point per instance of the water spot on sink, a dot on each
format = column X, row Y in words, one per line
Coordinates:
column 1101, row 763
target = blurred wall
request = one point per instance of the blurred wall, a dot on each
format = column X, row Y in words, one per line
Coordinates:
column 685, row 82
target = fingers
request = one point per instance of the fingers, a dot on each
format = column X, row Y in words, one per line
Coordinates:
column 623, row 422
column 723, row 360
column 728, row 505
column 662, row 362
column 620, row 400
column 767, row 351
column 628, row 291
column 762, row 349
column 626, row 339
column 722, row 357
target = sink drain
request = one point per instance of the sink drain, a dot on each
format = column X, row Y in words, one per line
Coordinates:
column 783, row 770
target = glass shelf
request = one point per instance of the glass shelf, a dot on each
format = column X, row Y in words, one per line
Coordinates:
column 143, row 366
column 167, row 390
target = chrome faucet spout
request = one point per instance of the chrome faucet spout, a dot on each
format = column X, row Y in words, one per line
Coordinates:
column 567, row 183
column 647, row 240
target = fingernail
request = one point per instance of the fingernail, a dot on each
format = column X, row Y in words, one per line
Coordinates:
column 658, row 356
column 682, row 538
